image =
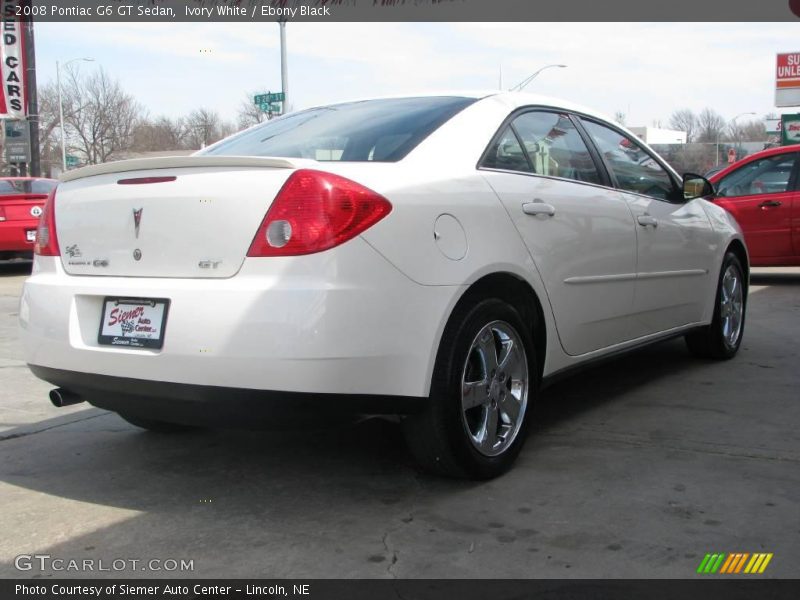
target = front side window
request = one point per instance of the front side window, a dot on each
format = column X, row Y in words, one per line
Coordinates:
column 372, row 130
column 765, row 176
column 635, row 170
column 554, row 147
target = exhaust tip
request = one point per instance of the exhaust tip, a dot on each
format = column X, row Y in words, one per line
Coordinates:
column 61, row 398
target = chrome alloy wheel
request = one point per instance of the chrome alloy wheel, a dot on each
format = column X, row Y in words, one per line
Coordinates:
column 494, row 388
column 731, row 305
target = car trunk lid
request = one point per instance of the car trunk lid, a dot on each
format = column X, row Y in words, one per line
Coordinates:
column 168, row 217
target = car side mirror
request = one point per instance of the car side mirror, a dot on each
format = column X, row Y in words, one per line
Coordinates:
column 696, row 186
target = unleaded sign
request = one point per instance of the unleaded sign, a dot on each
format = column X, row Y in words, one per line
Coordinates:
column 787, row 79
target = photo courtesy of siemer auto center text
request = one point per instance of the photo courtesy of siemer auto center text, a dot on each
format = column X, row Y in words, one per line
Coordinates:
column 399, row 299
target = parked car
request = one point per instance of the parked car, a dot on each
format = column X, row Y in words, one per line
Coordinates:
column 21, row 203
column 763, row 193
column 438, row 257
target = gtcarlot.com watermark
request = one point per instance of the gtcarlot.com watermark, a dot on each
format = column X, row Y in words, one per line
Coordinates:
column 46, row 562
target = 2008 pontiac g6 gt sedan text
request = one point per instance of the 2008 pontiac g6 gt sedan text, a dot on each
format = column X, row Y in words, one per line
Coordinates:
column 438, row 257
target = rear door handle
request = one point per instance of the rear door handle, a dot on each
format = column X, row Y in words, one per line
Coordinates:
column 539, row 208
column 645, row 220
column 770, row 204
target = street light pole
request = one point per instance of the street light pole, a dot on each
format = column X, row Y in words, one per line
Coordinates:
column 61, row 110
column 519, row 87
column 738, row 141
column 284, row 68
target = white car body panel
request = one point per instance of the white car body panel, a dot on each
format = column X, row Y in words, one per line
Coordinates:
column 367, row 316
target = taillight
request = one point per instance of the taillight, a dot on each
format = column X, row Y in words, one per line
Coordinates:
column 46, row 240
column 315, row 211
column 2, row 214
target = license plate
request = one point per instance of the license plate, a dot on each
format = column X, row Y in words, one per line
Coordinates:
column 133, row 322
column 30, row 235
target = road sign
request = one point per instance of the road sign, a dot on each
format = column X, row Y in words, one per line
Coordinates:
column 787, row 79
column 270, row 108
column 18, row 143
column 72, row 161
column 269, row 98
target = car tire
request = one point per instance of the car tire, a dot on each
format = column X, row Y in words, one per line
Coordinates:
column 157, row 426
column 478, row 413
column 721, row 339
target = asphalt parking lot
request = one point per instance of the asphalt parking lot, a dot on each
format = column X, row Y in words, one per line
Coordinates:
column 634, row 469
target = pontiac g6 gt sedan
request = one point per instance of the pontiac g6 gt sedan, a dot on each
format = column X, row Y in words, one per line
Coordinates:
column 437, row 257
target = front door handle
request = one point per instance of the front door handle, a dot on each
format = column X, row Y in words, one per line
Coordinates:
column 538, row 208
column 770, row 204
column 645, row 220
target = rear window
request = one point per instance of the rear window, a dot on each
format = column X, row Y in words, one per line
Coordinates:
column 372, row 130
column 11, row 187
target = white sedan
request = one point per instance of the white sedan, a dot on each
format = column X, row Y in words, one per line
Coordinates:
column 440, row 257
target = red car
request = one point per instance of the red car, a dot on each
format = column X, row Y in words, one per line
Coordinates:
column 762, row 192
column 21, row 202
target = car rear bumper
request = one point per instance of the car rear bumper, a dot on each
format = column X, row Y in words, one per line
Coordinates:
column 205, row 405
column 342, row 322
column 13, row 235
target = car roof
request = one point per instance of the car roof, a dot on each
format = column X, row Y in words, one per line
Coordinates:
column 755, row 156
column 511, row 99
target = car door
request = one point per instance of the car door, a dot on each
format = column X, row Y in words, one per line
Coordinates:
column 579, row 231
column 761, row 196
column 675, row 241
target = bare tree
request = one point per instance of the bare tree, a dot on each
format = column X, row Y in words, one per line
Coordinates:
column 710, row 125
column 161, row 133
column 99, row 115
column 205, row 127
column 684, row 120
column 49, row 137
column 752, row 131
column 249, row 114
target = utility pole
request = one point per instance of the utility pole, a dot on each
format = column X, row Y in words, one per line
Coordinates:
column 35, row 169
column 284, row 67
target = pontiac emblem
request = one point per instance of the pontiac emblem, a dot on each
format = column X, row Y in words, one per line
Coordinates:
column 137, row 219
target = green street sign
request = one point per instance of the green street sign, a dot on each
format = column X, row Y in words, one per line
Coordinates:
column 270, row 108
column 72, row 161
column 269, row 98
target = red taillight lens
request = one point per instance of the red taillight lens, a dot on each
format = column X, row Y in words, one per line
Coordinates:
column 315, row 211
column 46, row 241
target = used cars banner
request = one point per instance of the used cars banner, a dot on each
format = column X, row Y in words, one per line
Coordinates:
column 12, row 52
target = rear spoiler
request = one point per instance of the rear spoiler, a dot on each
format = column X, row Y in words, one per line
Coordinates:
column 176, row 162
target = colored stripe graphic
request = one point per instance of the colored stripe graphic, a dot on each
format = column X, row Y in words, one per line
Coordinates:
column 703, row 563
column 741, row 562
column 766, row 562
column 723, row 563
column 732, row 559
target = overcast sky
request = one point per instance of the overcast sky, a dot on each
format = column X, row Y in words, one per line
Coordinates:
column 644, row 70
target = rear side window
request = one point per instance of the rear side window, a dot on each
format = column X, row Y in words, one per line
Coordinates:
column 550, row 145
column 555, row 147
column 373, row 130
column 765, row 176
column 10, row 187
column 506, row 153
